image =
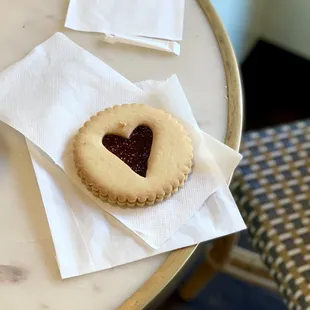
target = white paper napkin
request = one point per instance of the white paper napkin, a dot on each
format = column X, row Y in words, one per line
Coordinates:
column 86, row 238
column 48, row 96
column 152, row 23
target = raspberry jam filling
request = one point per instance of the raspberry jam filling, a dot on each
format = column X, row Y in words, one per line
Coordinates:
column 134, row 151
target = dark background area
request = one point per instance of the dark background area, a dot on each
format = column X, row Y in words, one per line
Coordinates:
column 276, row 86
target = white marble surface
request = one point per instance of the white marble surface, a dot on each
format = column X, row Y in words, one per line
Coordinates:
column 29, row 277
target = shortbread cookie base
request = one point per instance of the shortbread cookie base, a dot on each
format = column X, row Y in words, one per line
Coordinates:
column 97, row 194
column 110, row 179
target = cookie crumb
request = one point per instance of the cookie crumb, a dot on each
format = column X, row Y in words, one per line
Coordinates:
column 122, row 124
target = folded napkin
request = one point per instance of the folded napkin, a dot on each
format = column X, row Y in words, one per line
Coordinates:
column 59, row 86
column 152, row 23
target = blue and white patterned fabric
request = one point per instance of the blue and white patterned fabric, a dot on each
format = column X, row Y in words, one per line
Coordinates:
column 272, row 189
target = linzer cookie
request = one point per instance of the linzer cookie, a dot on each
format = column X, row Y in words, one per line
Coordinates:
column 133, row 155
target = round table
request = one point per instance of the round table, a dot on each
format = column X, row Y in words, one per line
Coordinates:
column 207, row 69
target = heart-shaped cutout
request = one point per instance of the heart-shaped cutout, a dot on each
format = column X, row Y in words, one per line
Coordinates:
column 134, row 151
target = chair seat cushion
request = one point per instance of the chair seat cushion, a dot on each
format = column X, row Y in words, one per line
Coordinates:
column 272, row 188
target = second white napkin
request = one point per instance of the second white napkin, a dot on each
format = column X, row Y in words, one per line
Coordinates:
column 153, row 23
column 88, row 240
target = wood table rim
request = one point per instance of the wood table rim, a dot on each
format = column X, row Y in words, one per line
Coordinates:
column 178, row 258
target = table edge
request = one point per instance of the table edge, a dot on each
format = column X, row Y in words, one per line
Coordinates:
column 167, row 272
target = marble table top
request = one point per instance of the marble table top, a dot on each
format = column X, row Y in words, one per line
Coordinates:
column 29, row 276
